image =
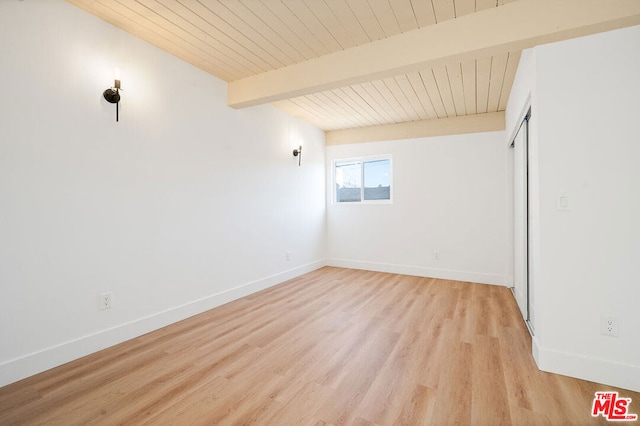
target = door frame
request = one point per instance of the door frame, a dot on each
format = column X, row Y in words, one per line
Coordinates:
column 525, row 245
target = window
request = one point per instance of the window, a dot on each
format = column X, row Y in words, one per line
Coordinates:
column 362, row 180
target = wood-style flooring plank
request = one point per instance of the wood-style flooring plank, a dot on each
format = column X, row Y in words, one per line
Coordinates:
column 332, row 347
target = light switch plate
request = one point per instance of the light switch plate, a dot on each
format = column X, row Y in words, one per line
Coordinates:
column 563, row 203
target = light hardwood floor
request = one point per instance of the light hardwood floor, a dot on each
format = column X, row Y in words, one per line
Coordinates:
column 335, row 346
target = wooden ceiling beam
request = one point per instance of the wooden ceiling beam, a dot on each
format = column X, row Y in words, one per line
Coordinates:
column 514, row 26
column 476, row 123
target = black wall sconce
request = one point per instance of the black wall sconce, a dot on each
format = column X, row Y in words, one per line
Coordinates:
column 298, row 153
column 112, row 95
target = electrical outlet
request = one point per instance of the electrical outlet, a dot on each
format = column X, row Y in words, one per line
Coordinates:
column 287, row 256
column 436, row 255
column 609, row 326
column 105, row 300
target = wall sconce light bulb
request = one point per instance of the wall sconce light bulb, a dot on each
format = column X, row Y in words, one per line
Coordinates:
column 298, row 153
column 112, row 95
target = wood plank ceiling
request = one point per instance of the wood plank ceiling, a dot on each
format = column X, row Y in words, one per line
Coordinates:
column 239, row 39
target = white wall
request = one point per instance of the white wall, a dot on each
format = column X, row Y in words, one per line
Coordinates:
column 182, row 205
column 586, row 95
column 448, row 196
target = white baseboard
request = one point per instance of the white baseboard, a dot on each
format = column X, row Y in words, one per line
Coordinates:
column 37, row 362
column 420, row 271
column 596, row 370
column 535, row 351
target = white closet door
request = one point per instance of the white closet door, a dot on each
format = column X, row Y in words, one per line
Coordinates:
column 520, row 234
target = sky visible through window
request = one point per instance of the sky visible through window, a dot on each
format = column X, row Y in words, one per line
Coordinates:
column 376, row 174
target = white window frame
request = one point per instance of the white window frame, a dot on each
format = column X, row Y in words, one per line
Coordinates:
column 361, row 160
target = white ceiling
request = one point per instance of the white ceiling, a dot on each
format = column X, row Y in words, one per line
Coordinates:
column 344, row 64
